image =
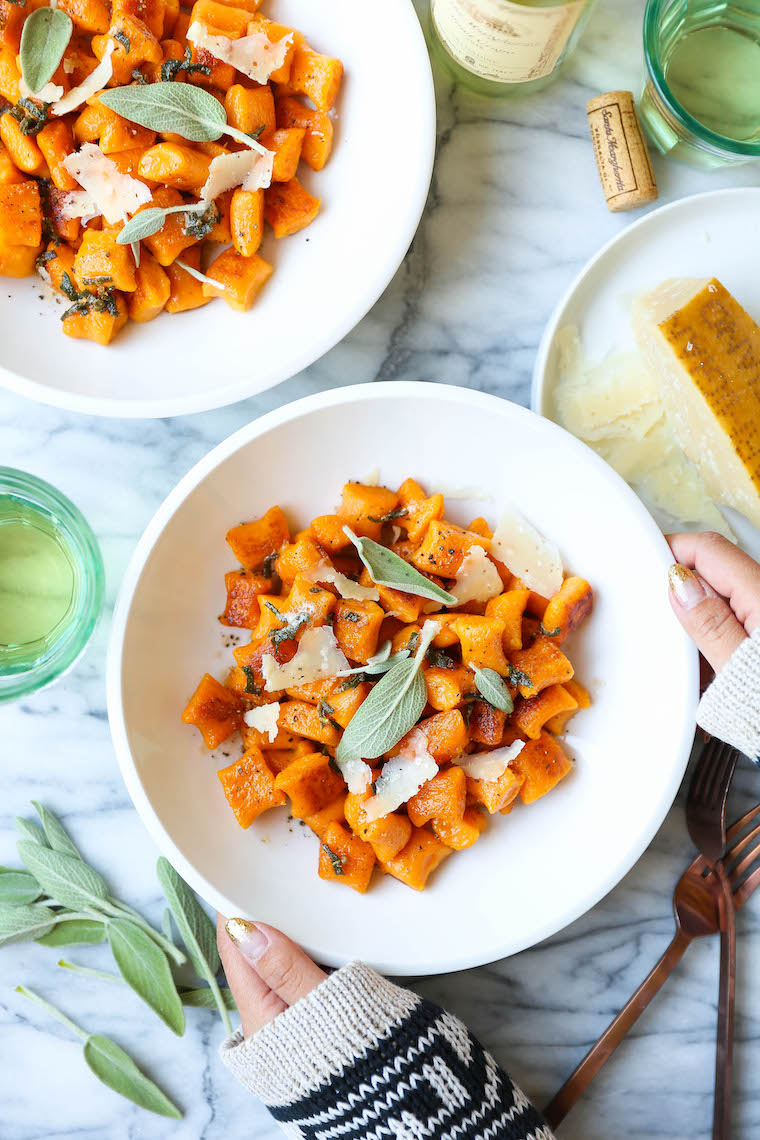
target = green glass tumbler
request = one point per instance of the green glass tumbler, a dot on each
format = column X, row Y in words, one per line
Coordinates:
column 51, row 584
column 701, row 98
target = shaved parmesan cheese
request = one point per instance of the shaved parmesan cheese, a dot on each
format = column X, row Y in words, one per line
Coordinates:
column 372, row 478
column 94, row 82
column 50, row 93
column 477, row 578
column 264, row 720
column 318, row 656
column 527, row 554
column 490, row 765
column 345, row 587
column 255, row 55
column 243, row 167
column 358, row 776
column 401, row 777
column 106, row 190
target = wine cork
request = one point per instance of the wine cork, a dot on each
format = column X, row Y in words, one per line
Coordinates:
column 621, row 153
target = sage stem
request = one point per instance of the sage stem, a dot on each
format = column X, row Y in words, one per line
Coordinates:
column 87, row 972
column 51, row 1009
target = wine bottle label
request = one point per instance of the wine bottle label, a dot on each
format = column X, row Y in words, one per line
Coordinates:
column 503, row 41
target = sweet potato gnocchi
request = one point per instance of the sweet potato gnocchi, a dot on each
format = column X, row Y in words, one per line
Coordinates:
column 404, row 680
column 77, row 177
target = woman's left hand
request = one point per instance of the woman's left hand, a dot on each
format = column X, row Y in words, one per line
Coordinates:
column 266, row 972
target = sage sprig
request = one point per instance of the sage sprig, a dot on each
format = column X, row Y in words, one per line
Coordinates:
column 387, row 569
column 196, row 930
column 179, row 108
column 70, row 931
column 111, row 1064
column 493, row 689
column 44, row 39
column 391, row 709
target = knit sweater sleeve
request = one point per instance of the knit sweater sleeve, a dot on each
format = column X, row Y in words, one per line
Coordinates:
column 730, row 707
column 362, row 1059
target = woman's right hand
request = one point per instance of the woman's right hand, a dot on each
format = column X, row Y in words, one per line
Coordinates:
column 715, row 593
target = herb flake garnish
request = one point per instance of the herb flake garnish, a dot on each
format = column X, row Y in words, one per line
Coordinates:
column 250, row 681
column 517, row 677
column 335, row 860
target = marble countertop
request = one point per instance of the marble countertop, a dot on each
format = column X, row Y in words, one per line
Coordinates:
column 514, row 211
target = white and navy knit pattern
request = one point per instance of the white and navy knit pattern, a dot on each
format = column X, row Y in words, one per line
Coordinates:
column 730, row 707
column 370, row 1061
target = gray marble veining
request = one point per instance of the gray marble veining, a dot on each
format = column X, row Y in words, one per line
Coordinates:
column 515, row 209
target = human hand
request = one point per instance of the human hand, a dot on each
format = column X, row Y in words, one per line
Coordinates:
column 266, row 972
column 715, row 593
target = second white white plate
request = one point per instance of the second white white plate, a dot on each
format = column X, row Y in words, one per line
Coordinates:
column 714, row 234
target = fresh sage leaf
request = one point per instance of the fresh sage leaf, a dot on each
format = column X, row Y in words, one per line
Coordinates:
column 44, row 39
column 166, row 924
column 75, row 932
column 24, row 923
column 143, row 966
column 68, row 880
column 195, row 927
column 115, row 1068
column 178, row 108
column 387, row 569
column 110, row 1063
column 57, row 836
column 18, row 887
column 150, row 221
column 203, row 998
column 391, row 709
column 196, row 930
column 492, row 688
column 31, row 832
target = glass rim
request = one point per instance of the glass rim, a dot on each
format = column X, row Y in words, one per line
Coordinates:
column 88, row 564
column 700, row 133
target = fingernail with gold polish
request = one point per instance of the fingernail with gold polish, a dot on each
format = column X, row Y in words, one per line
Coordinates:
column 686, row 586
column 249, row 939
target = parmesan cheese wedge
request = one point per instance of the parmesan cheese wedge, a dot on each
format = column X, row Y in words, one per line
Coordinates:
column 705, row 351
column 343, row 584
column 246, row 168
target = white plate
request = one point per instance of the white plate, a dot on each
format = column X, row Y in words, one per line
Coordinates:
column 532, row 872
column 716, row 234
column 326, row 277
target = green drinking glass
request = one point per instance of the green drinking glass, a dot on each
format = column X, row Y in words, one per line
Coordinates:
column 701, row 99
column 51, row 584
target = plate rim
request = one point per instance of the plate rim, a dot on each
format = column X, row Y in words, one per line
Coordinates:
column 420, row 965
column 166, row 407
column 538, row 377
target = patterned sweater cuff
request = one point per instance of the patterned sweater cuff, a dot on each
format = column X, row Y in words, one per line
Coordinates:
column 730, row 707
column 321, row 1036
column 361, row 1057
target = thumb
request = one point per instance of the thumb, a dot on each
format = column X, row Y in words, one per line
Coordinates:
column 708, row 619
column 282, row 966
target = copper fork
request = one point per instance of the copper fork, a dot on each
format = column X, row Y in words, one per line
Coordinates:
column 697, row 914
column 706, row 821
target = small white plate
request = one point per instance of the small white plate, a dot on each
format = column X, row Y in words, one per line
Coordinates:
column 716, row 234
column 708, row 235
column 326, row 277
column 532, row 872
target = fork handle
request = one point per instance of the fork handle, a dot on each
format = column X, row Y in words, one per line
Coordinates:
column 726, row 995
column 597, row 1056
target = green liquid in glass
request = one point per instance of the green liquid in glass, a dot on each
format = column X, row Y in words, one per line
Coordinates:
column 714, row 73
column 36, row 576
